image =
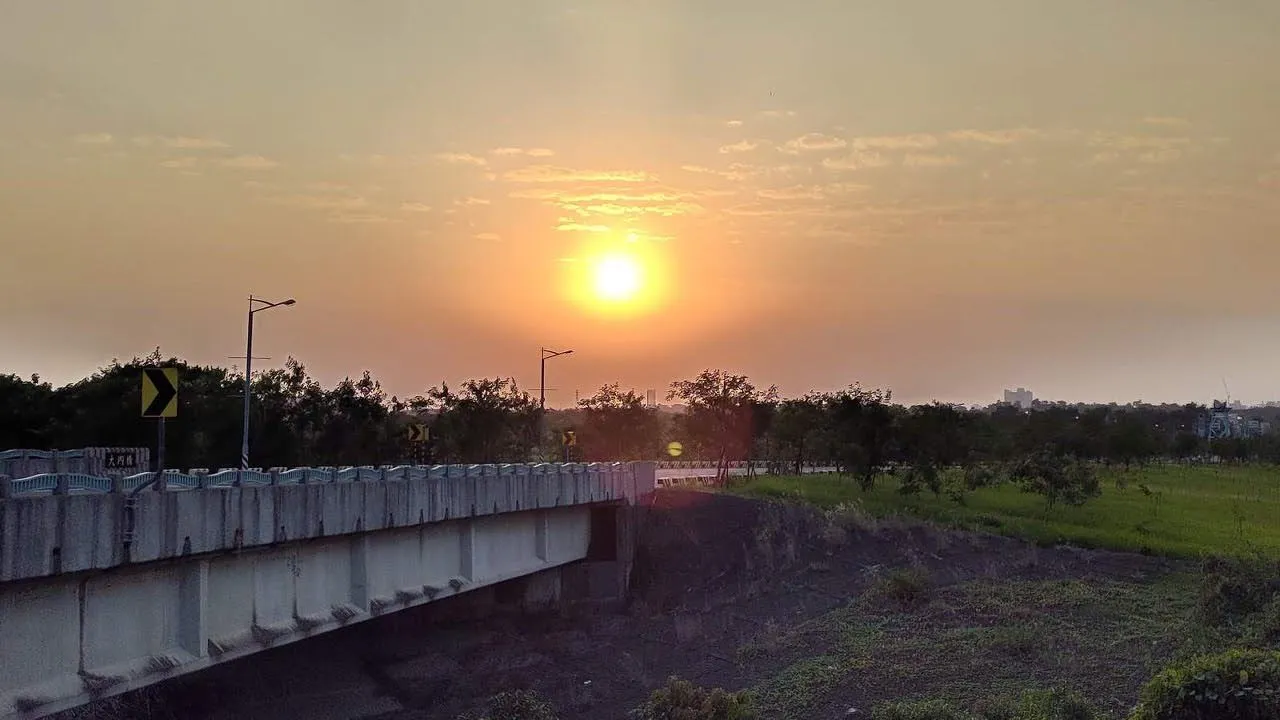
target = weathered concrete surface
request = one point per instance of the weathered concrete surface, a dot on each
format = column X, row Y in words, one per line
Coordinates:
column 213, row 575
column 53, row 534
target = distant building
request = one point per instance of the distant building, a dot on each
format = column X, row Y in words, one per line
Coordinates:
column 1021, row 397
column 651, row 398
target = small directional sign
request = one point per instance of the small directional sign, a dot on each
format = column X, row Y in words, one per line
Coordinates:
column 418, row 433
column 160, row 392
column 120, row 460
column 569, row 438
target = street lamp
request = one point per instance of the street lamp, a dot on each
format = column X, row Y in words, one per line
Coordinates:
column 248, row 369
column 542, row 390
column 542, row 382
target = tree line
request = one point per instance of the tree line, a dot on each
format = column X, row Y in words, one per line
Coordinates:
column 716, row 416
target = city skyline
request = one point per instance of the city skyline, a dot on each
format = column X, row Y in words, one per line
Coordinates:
column 1082, row 199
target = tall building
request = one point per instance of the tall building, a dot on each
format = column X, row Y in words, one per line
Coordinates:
column 651, row 398
column 1021, row 397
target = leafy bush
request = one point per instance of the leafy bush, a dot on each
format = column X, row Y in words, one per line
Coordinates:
column 682, row 700
column 517, row 705
column 1236, row 685
column 1057, row 478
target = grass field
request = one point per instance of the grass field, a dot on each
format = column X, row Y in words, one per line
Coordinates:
column 1189, row 511
column 1091, row 636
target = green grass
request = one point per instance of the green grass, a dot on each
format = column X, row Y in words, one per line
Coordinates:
column 1191, row 510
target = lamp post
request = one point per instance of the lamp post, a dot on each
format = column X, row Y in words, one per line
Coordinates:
column 256, row 305
column 542, row 389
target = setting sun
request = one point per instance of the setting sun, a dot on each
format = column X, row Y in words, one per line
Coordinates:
column 617, row 278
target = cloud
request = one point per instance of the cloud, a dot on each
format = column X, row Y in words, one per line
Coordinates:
column 249, row 162
column 777, row 113
column 471, row 202
column 181, row 142
column 857, row 160
column 928, row 160
column 551, row 173
column 797, row 192
column 531, row 152
column 741, row 147
column 994, row 137
column 360, row 218
column 462, row 159
column 813, row 142
column 93, row 139
column 733, row 123
column 578, row 227
column 1161, row 156
column 180, row 163
column 487, row 236
column 896, row 142
column 327, row 187
column 1167, row 121
column 415, row 207
column 561, row 196
column 321, row 202
column 1136, row 142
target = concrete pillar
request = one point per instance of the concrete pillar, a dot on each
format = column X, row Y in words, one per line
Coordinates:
column 467, row 549
column 542, row 535
column 193, row 608
column 360, row 571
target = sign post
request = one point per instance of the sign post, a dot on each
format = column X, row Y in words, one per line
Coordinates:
column 418, row 435
column 568, row 438
column 160, row 401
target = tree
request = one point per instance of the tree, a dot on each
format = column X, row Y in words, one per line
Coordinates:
column 796, row 430
column 862, row 425
column 1056, row 477
column 723, row 414
column 489, row 420
column 618, row 426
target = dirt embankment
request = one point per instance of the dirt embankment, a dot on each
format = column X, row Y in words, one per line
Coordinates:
column 713, row 575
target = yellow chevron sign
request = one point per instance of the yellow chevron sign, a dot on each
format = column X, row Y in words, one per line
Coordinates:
column 160, row 392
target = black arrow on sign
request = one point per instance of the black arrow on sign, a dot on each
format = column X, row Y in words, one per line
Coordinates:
column 415, row 433
column 164, row 392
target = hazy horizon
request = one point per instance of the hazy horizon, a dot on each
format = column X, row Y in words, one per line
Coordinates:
column 941, row 199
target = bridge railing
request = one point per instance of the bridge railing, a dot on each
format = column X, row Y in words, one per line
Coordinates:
column 201, row 479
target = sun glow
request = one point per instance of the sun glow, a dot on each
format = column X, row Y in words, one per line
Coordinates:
column 618, row 277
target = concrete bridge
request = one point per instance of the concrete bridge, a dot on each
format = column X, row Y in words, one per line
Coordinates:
column 107, row 585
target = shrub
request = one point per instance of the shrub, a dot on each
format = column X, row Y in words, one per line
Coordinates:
column 1235, row 589
column 1059, row 479
column 517, row 705
column 682, row 700
column 1236, row 685
column 908, row 586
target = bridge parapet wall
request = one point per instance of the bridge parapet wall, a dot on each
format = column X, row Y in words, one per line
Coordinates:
column 66, row 523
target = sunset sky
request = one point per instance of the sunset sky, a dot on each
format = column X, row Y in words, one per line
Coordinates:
column 943, row 198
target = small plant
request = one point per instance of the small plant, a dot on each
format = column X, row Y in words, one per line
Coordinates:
column 1236, row 685
column 682, row 700
column 516, row 705
column 907, row 587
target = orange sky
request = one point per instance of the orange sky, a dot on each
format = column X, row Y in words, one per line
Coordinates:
column 942, row 198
